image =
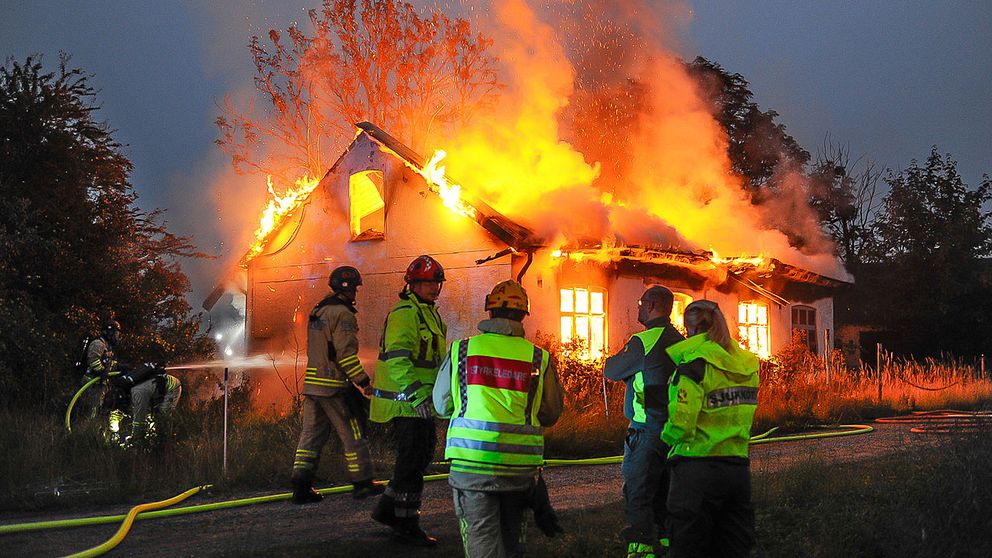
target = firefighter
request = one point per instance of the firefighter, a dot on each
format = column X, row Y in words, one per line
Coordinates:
column 412, row 348
column 712, row 400
column 330, row 398
column 645, row 367
column 146, row 392
column 100, row 361
column 500, row 391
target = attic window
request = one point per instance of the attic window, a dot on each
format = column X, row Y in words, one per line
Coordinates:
column 804, row 320
column 752, row 327
column 583, row 318
column 368, row 207
column 678, row 310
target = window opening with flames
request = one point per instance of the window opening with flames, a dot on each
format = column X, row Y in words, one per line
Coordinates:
column 583, row 317
column 368, row 207
column 681, row 300
column 752, row 327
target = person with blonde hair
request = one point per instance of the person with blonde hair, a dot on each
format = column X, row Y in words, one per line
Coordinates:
column 712, row 399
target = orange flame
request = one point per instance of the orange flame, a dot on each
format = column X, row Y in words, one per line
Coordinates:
column 742, row 260
column 450, row 194
column 278, row 209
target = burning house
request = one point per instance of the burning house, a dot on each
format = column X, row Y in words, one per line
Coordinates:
column 382, row 204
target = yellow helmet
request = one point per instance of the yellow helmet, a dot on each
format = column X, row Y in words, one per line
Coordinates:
column 508, row 294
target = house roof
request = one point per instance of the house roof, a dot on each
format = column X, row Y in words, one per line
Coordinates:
column 631, row 259
column 769, row 278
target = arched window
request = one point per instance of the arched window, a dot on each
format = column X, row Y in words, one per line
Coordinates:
column 804, row 320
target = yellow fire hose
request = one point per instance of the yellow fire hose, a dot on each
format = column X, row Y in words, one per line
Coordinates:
column 145, row 510
column 68, row 412
column 129, row 520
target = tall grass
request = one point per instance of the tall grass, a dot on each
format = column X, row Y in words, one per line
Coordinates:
column 43, row 465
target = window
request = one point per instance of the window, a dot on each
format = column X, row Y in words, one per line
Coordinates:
column 804, row 320
column 678, row 310
column 583, row 317
column 752, row 327
column 368, row 213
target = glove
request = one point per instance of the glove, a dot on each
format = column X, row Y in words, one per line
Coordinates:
column 544, row 515
column 426, row 408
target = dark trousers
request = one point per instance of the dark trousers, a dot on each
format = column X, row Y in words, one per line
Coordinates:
column 645, row 486
column 415, row 439
column 492, row 524
column 709, row 508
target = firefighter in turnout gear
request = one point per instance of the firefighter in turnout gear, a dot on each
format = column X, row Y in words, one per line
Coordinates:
column 331, row 397
column 712, row 400
column 645, row 367
column 146, row 392
column 412, row 348
column 100, row 361
column 500, row 391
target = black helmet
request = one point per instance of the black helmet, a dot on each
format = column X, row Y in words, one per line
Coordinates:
column 344, row 277
column 111, row 328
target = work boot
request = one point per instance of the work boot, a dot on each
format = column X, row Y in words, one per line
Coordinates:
column 383, row 511
column 364, row 489
column 639, row 550
column 413, row 535
column 303, row 493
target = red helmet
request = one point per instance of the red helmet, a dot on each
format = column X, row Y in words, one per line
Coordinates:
column 424, row 268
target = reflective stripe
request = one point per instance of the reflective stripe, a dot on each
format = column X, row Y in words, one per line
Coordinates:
column 496, row 446
column 727, row 397
column 463, row 376
column 406, row 353
column 535, row 379
column 324, row 381
column 476, row 424
column 405, row 395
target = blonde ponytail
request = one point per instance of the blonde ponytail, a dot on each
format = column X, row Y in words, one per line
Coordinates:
column 704, row 316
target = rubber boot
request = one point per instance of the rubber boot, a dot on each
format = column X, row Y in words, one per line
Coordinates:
column 639, row 550
column 408, row 531
column 303, row 493
column 364, row 489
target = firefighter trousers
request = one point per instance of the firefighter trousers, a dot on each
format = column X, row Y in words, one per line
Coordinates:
column 320, row 414
column 492, row 524
column 645, row 486
column 415, row 439
column 710, row 509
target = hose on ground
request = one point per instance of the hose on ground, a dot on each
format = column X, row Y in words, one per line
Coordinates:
column 129, row 520
column 944, row 421
column 100, row 520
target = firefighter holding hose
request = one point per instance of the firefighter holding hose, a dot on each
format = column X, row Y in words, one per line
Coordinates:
column 414, row 342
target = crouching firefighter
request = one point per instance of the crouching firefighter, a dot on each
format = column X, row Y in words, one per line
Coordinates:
column 412, row 348
column 331, row 397
column 500, row 390
column 150, row 393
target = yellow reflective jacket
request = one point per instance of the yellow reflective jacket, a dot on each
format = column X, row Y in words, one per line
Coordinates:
column 414, row 342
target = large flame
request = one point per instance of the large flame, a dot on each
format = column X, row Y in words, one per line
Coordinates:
column 437, row 181
column 278, row 208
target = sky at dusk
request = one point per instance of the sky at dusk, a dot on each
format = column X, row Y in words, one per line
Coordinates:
column 888, row 79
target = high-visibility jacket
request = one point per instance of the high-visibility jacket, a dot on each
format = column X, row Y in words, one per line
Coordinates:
column 648, row 339
column 414, row 342
column 332, row 348
column 494, row 428
column 712, row 399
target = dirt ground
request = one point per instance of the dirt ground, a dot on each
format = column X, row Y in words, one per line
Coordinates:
column 342, row 526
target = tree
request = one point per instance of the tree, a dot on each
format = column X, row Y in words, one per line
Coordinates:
column 845, row 197
column 380, row 62
column 929, row 287
column 758, row 145
column 75, row 249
